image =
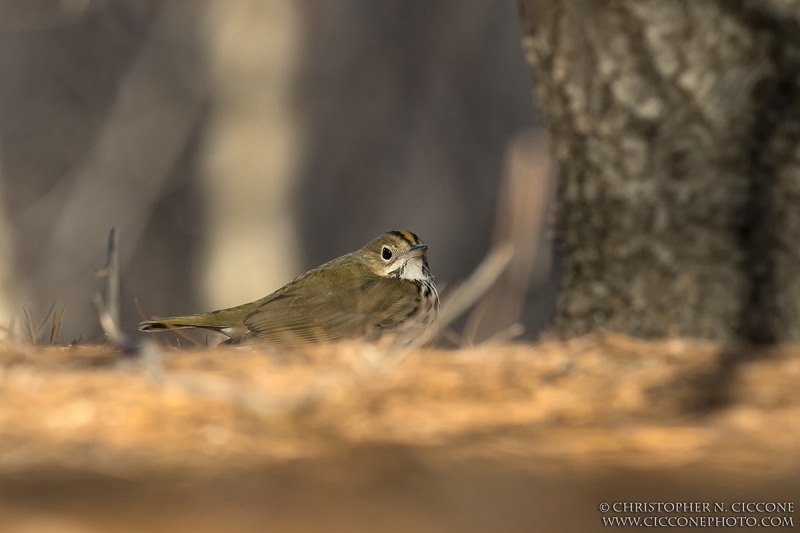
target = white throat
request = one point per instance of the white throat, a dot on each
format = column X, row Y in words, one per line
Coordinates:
column 412, row 270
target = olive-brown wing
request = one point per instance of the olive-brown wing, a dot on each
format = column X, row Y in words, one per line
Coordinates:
column 333, row 312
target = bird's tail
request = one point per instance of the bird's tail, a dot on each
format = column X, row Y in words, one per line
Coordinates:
column 183, row 322
column 226, row 321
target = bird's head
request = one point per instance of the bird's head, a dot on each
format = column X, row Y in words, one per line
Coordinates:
column 398, row 254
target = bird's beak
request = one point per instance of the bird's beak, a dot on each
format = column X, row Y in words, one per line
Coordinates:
column 418, row 250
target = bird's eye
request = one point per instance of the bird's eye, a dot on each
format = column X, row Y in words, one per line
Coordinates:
column 386, row 253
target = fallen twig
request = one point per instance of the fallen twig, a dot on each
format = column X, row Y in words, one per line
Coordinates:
column 108, row 311
column 465, row 295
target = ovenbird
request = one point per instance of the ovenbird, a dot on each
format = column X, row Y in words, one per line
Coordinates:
column 385, row 288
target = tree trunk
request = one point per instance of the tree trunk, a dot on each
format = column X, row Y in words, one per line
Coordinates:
column 675, row 126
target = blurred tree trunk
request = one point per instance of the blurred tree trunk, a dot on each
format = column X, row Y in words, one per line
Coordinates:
column 253, row 147
column 675, row 126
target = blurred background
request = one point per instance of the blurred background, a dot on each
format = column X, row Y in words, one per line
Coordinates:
column 237, row 143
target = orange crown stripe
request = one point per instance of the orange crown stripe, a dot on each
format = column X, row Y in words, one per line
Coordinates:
column 410, row 237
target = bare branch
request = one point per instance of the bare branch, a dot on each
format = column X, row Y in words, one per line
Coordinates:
column 109, row 311
column 465, row 295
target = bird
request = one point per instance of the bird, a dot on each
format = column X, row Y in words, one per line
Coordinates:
column 383, row 290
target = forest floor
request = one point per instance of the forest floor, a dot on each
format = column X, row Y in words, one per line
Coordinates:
column 353, row 437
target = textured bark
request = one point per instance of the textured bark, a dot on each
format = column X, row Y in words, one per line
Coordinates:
column 675, row 125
